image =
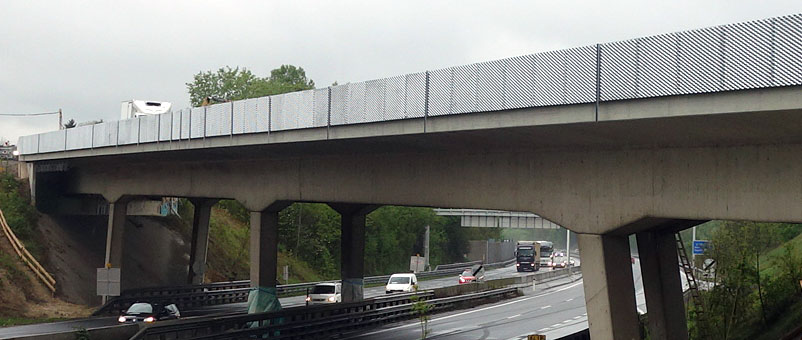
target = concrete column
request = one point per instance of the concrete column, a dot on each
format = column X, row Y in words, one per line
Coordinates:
column 352, row 249
column 200, row 240
column 662, row 286
column 609, row 290
column 115, row 233
column 264, row 259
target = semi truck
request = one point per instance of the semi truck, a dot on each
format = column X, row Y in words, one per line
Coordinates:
column 546, row 251
column 135, row 108
column 527, row 255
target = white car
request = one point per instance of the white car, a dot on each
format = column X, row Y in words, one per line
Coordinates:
column 401, row 283
column 325, row 293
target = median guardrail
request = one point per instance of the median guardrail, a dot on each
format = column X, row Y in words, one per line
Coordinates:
column 211, row 326
column 210, row 294
column 311, row 322
column 325, row 321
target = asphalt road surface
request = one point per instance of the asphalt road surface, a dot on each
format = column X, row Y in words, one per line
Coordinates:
column 555, row 309
column 89, row 323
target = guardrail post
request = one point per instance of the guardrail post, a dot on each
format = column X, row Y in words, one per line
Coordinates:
column 352, row 248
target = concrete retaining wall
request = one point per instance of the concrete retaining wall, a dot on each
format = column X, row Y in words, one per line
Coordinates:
column 490, row 251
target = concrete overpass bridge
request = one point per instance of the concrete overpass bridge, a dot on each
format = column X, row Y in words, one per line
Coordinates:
column 645, row 136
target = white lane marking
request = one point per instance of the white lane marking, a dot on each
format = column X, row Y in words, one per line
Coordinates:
column 569, row 300
column 567, row 321
column 514, row 316
column 577, row 317
column 555, row 325
column 543, row 329
column 544, row 307
column 473, row 311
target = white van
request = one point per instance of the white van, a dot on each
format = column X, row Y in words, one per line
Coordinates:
column 401, row 283
column 325, row 293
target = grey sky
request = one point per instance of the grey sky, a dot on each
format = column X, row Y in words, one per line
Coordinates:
column 87, row 56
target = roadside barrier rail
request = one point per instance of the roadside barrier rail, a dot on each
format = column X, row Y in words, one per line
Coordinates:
column 312, row 323
column 26, row 257
column 209, row 294
column 214, row 326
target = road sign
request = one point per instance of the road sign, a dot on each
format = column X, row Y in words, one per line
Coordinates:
column 108, row 281
column 699, row 247
column 417, row 263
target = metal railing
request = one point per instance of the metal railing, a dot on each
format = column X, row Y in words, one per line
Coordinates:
column 314, row 323
column 756, row 54
column 218, row 293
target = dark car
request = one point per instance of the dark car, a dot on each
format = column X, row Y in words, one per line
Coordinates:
column 149, row 312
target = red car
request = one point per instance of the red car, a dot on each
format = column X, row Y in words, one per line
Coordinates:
column 475, row 274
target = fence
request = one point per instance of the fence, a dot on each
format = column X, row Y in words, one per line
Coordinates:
column 757, row 54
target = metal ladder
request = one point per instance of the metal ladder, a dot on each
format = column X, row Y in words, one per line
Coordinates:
column 693, row 287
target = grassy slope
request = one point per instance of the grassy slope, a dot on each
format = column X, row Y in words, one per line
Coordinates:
column 793, row 317
column 229, row 257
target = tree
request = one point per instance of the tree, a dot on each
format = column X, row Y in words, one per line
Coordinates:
column 70, row 124
column 240, row 83
column 227, row 83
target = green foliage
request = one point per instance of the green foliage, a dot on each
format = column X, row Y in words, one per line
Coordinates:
column 745, row 299
column 81, row 333
column 16, row 276
column 20, row 214
column 240, row 83
column 17, row 321
column 422, row 309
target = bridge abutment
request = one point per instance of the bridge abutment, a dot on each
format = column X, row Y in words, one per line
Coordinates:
column 609, row 290
column 662, row 285
column 200, row 239
column 352, row 249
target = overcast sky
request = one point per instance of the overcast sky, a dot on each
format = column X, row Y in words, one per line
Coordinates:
column 85, row 57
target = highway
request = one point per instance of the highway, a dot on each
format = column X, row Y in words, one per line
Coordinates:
column 64, row 326
column 554, row 309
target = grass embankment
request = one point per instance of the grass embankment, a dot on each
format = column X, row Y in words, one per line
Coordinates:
column 228, row 258
column 23, row 298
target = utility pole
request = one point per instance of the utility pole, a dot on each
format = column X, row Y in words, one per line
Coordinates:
column 426, row 249
column 60, row 126
column 693, row 254
column 568, row 246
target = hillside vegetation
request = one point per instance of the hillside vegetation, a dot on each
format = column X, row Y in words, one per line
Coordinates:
column 757, row 294
column 24, row 299
column 309, row 240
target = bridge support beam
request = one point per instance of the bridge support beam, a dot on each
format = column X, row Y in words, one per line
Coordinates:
column 115, row 233
column 662, row 285
column 609, row 290
column 264, row 259
column 200, row 239
column 352, row 249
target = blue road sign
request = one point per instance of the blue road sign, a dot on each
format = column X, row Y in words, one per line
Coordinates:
column 699, row 247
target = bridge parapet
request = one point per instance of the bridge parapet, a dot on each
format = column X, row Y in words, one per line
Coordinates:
column 757, row 54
